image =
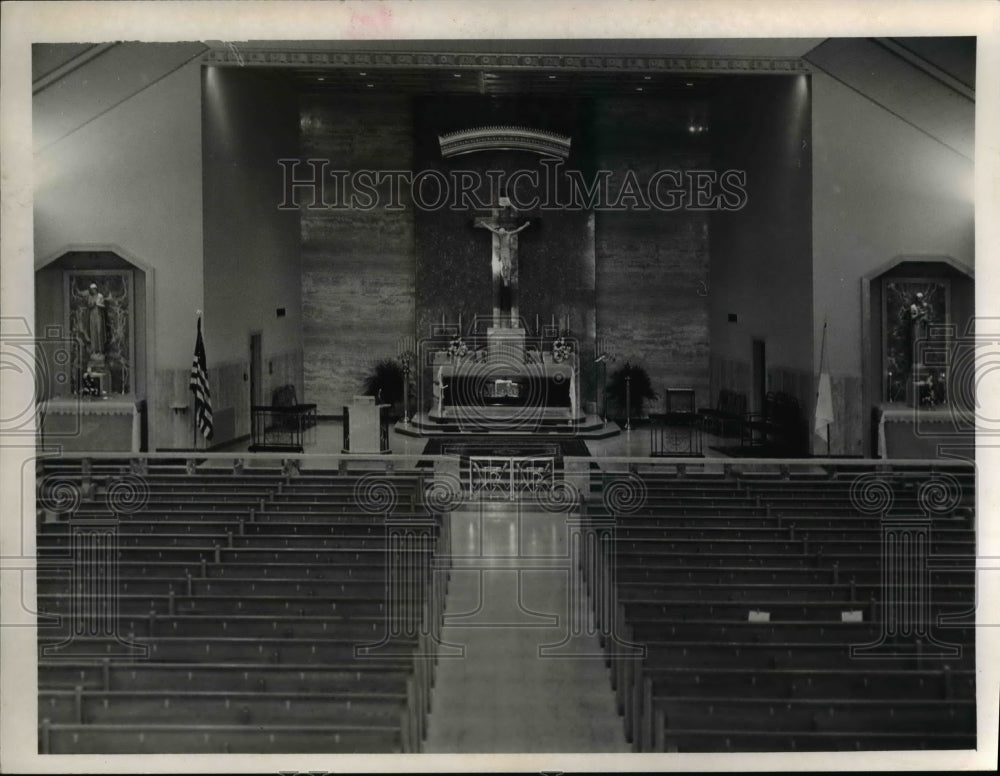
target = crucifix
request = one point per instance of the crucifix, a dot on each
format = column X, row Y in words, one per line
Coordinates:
column 503, row 224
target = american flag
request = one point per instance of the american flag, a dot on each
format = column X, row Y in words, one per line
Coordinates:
column 199, row 386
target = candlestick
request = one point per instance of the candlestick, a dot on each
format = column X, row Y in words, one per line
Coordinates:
column 460, row 323
column 536, row 324
column 553, row 319
column 442, row 319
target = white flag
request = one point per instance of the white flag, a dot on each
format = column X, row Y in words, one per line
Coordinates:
column 824, row 406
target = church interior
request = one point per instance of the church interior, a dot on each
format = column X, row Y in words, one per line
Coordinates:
column 485, row 396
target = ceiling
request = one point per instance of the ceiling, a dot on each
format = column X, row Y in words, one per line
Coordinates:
column 661, row 47
column 909, row 85
column 506, row 67
column 928, row 82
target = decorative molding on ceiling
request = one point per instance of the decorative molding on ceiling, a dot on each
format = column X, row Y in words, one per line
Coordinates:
column 468, row 141
column 241, row 56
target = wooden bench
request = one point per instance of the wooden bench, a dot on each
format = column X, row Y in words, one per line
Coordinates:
column 764, row 593
column 241, row 709
column 800, row 541
column 253, row 651
column 368, row 604
column 685, row 580
column 816, row 683
column 181, row 570
column 741, row 740
column 233, row 540
column 193, row 738
column 212, row 587
column 79, row 706
column 631, row 692
column 196, row 586
column 736, row 610
column 245, row 555
column 669, row 717
column 384, row 675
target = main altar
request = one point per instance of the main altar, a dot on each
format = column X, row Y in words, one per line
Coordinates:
column 498, row 372
column 507, row 384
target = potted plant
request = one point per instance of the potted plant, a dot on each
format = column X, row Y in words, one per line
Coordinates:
column 639, row 389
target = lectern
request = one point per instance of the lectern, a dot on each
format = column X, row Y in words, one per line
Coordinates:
column 366, row 426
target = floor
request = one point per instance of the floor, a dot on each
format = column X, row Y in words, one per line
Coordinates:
column 511, row 678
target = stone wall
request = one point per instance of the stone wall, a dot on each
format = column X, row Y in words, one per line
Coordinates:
column 652, row 266
column 371, row 276
column 357, row 265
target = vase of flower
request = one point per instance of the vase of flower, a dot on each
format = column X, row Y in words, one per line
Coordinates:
column 457, row 349
column 561, row 350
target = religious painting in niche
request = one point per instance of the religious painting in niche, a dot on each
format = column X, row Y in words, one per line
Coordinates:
column 99, row 316
column 915, row 312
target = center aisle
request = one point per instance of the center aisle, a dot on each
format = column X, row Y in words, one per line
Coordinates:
column 507, row 599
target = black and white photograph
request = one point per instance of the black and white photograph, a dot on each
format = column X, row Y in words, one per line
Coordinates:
column 428, row 386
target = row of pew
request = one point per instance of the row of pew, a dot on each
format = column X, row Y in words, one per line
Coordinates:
column 780, row 611
column 220, row 610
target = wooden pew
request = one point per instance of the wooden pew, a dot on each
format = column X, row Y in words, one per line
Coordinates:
column 246, row 709
column 190, row 738
column 740, row 740
column 671, row 716
column 367, row 604
column 385, row 675
column 322, row 562
column 673, row 589
column 814, row 683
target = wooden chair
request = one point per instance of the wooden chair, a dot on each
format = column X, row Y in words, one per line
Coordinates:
column 726, row 415
column 778, row 427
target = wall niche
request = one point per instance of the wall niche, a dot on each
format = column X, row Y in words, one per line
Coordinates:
column 90, row 319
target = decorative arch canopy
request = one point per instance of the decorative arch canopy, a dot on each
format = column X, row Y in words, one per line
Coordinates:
column 539, row 141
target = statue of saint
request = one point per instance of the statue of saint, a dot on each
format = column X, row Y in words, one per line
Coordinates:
column 94, row 323
column 918, row 317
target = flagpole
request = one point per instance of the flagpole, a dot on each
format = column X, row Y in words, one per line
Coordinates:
column 199, row 325
column 822, row 358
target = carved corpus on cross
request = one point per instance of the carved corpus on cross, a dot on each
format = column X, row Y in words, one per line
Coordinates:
column 503, row 224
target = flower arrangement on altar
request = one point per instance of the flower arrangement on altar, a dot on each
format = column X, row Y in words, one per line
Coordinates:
column 932, row 389
column 457, row 348
column 561, row 350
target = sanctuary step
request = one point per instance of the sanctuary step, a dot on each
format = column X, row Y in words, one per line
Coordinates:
column 584, row 426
